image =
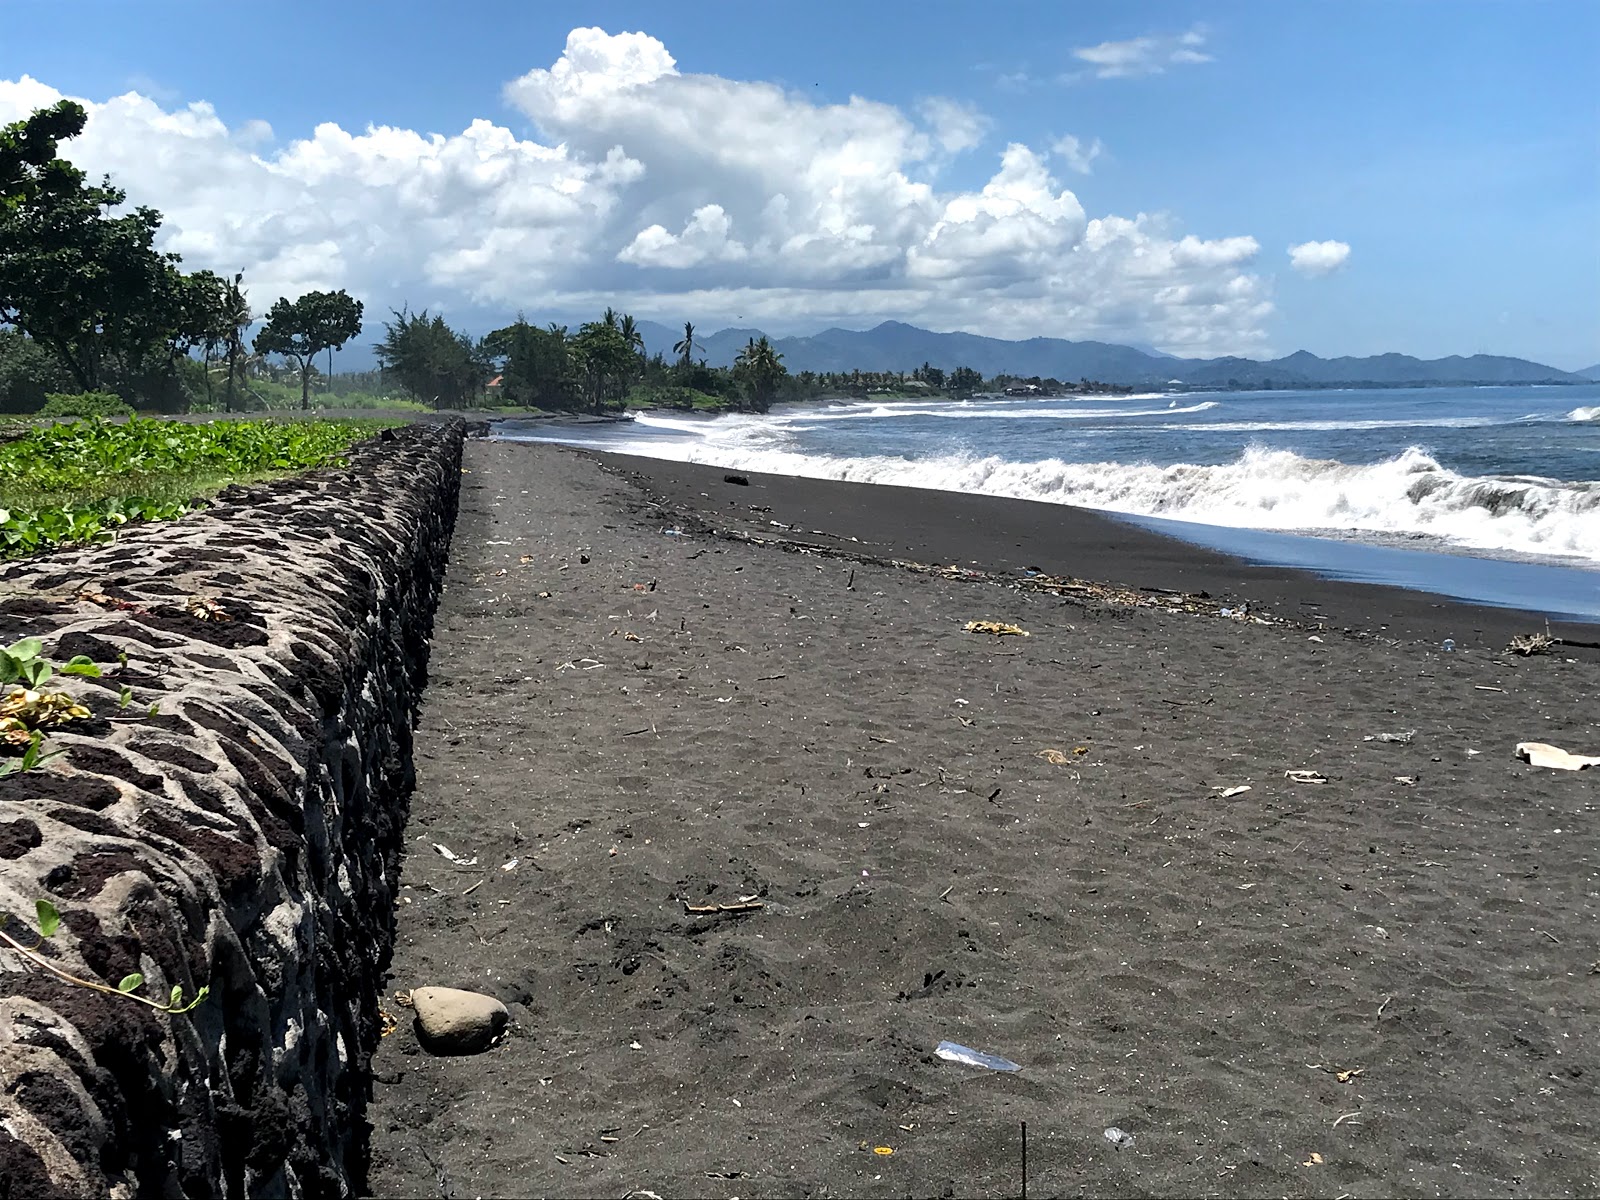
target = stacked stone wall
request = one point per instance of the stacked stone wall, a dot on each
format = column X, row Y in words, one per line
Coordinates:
column 233, row 820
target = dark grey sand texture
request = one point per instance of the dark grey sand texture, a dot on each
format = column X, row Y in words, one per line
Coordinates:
column 1360, row 986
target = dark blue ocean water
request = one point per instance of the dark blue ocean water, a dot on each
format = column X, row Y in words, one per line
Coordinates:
column 1490, row 494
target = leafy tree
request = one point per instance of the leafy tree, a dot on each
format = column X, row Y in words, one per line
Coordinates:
column 302, row 329
column 433, row 362
column 605, row 359
column 88, row 286
column 536, row 367
column 29, row 161
column 28, row 373
column 760, row 368
column 964, row 381
column 85, row 285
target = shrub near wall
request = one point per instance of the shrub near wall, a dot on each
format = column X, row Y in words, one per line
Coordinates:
column 243, row 834
column 85, row 404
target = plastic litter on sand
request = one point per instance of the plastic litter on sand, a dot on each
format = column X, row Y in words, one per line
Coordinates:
column 955, row 1052
column 1120, row 1138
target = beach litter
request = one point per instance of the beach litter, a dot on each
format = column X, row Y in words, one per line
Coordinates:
column 747, row 904
column 998, row 628
column 451, row 856
column 1527, row 644
column 1402, row 739
column 1230, row 793
column 1542, row 754
column 955, row 1052
column 1305, row 776
column 1121, row 1139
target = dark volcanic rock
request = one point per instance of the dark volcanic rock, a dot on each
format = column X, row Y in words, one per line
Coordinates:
column 236, row 825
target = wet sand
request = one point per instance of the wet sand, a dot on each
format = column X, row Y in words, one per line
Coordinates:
column 1354, row 986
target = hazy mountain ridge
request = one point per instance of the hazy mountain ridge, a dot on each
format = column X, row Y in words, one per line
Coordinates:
column 895, row 346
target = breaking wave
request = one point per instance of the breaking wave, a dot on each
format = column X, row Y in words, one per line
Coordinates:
column 1410, row 494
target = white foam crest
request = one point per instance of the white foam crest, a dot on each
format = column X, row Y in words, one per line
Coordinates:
column 963, row 412
column 1338, row 426
column 1261, row 489
column 1592, row 413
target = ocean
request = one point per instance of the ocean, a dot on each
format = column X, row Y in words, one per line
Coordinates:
column 1488, row 494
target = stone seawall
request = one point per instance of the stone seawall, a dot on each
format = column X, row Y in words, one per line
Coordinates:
column 233, row 819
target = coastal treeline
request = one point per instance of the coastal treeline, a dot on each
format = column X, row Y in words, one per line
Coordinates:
column 95, row 320
column 90, row 308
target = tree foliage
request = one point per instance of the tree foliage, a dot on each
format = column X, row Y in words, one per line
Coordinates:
column 83, row 285
column 302, row 329
column 433, row 362
column 760, row 369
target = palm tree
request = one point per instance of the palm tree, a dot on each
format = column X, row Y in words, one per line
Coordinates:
column 685, row 349
column 761, row 367
column 236, row 317
column 631, row 335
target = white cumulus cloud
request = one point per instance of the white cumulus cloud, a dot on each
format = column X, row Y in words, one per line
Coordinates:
column 1318, row 258
column 1078, row 154
column 1143, row 55
column 673, row 196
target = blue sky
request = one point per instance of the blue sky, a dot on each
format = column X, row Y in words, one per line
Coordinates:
column 1451, row 148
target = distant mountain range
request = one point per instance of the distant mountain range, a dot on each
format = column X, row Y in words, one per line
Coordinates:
column 1592, row 373
column 894, row 346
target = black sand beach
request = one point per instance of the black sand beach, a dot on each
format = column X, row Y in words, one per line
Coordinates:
column 1378, row 979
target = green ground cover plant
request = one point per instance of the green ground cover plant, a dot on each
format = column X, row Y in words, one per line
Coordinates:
column 81, row 481
column 85, row 404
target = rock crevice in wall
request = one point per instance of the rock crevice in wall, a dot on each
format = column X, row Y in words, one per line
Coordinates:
column 230, row 816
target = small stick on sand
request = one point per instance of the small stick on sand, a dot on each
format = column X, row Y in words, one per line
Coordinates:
column 1384, row 1005
column 744, row 906
column 944, row 895
column 1552, row 937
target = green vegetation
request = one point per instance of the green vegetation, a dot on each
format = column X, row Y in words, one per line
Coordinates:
column 646, row 395
column 88, row 305
column 302, row 329
column 27, row 710
column 80, row 481
column 85, row 404
column 49, row 922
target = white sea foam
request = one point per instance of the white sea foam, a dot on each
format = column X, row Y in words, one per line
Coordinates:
column 967, row 411
column 1260, row 489
column 1591, row 413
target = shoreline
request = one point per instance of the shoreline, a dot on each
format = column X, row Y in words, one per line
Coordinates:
column 1007, row 535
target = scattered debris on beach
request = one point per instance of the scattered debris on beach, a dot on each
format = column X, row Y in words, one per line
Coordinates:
column 1081, row 591
column 1542, row 754
column 998, row 628
column 1121, row 1139
column 966, row 1055
column 1403, row 738
column 748, row 905
column 1529, row 644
